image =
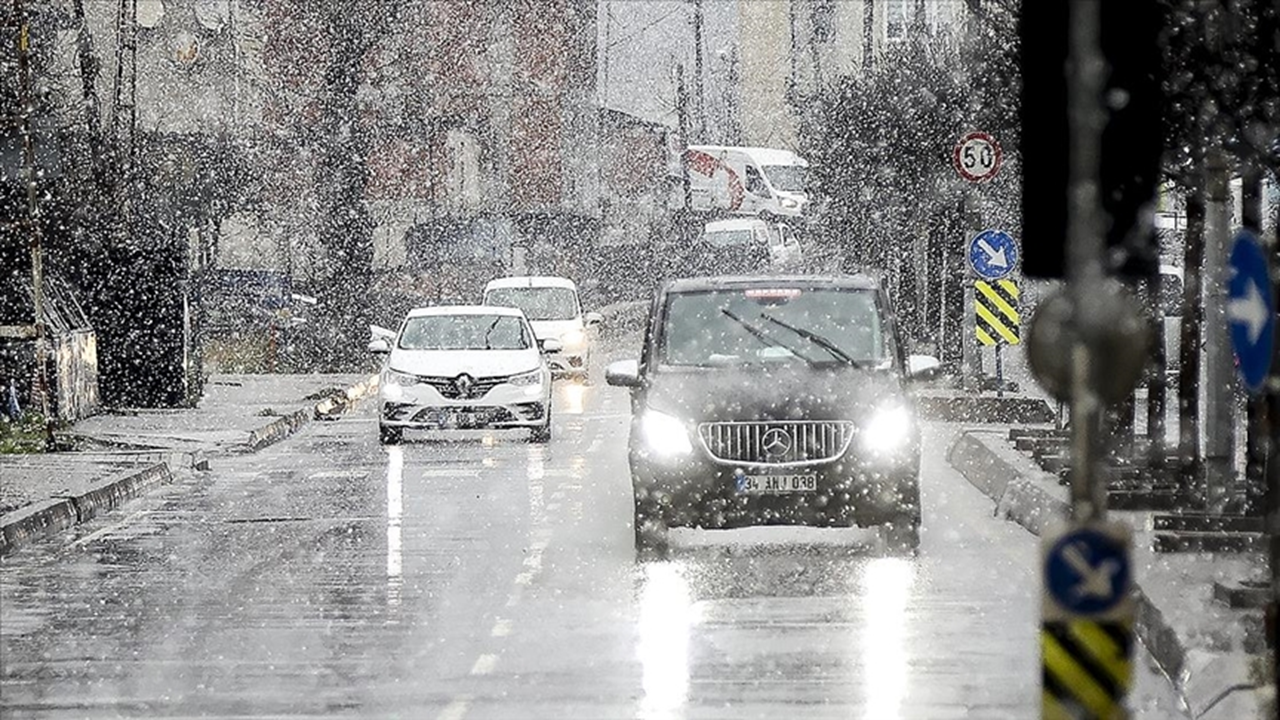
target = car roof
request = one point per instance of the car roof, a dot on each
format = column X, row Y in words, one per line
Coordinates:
column 530, row 281
column 734, row 224
column 762, row 155
column 723, row 282
column 464, row 310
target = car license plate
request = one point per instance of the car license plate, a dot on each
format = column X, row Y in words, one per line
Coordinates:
column 777, row 484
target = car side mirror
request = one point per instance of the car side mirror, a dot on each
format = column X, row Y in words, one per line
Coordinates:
column 592, row 319
column 550, row 345
column 923, row 367
column 623, row 373
column 379, row 346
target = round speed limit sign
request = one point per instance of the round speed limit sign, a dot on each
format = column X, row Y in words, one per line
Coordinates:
column 977, row 157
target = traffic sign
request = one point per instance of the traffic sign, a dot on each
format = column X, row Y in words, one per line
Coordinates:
column 993, row 254
column 995, row 306
column 1250, row 310
column 1086, row 572
column 977, row 157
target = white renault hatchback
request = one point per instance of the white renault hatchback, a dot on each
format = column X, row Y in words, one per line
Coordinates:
column 553, row 308
column 464, row 367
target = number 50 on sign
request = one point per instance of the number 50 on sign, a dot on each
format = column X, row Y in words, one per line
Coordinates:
column 977, row 157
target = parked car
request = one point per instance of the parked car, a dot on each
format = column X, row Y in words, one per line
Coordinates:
column 773, row 400
column 463, row 367
column 554, row 308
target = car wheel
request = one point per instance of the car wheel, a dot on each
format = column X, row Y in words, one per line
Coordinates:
column 650, row 526
column 390, row 435
column 901, row 536
column 542, row 434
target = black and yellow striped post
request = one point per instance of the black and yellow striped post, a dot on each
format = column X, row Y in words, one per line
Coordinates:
column 1086, row 637
column 995, row 303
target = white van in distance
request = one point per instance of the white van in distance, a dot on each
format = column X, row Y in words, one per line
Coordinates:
column 554, row 310
column 746, row 180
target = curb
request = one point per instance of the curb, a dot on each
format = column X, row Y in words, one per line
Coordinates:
column 64, row 512
column 984, row 408
column 1212, row 686
column 61, row 513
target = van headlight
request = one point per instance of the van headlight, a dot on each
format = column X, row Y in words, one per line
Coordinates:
column 533, row 377
column 888, row 431
column 396, row 378
column 664, row 434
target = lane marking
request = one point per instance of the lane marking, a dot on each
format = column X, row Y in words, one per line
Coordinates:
column 484, row 664
column 455, row 710
column 501, row 628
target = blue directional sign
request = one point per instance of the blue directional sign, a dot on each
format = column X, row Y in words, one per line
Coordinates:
column 1250, row 310
column 1087, row 572
column 993, row 254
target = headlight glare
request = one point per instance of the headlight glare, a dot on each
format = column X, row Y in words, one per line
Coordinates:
column 664, row 434
column 888, row 431
column 573, row 338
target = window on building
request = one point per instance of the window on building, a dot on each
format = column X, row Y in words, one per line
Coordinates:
column 824, row 20
column 897, row 18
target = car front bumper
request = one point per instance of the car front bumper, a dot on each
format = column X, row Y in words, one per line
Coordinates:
column 696, row 491
column 422, row 407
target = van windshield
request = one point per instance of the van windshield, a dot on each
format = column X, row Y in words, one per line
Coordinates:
column 727, row 238
column 787, row 178
column 749, row 326
column 538, row 303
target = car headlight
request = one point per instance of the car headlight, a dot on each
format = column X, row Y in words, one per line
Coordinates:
column 573, row 338
column 396, row 378
column 664, row 434
column 533, row 377
column 888, row 431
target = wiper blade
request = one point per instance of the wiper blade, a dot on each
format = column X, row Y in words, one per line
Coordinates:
column 488, row 332
column 816, row 339
column 765, row 338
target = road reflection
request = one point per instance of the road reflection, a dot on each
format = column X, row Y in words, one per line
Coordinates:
column 395, row 514
column 667, row 615
column 885, row 591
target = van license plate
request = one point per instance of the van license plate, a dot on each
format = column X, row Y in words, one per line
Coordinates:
column 777, row 484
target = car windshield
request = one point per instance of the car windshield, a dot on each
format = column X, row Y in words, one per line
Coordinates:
column 728, row 238
column 787, row 178
column 464, row 332
column 773, row 324
column 538, row 303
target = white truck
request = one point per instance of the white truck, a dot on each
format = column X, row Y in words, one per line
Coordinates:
column 746, row 180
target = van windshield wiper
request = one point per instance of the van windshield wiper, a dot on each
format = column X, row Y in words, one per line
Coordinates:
column 816, row 339
column 765, row 338
column 489, row 332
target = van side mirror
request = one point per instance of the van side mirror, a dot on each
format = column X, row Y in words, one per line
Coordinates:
column 379, row 346
column 623, row 373
column 550, row 345
column 592, row 319
column 923, row 367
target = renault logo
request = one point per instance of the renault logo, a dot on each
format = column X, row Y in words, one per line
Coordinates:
column 776, row 441
column 463, row 383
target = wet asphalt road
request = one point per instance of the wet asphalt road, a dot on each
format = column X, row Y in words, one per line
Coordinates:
column 478, row 576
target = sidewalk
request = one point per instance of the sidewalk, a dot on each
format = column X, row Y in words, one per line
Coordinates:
column 122, row 455
column 1215, row 655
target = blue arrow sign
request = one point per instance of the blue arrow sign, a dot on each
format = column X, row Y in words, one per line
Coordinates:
column 1087, row 572
column 993, row 254
column 1250, row 310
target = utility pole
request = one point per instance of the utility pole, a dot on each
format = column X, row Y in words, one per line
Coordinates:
column 1256, row 411
column 37, row 330
column 1189, row 452
column 682, row 127
column 699, row 98
column 1220, row 404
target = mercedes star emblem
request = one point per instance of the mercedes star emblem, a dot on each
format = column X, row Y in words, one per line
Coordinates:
column 776, row 441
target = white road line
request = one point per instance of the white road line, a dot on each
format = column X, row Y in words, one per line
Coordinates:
column 455, row 710
column 501, row 628
column 484, row 664
column 109, row 529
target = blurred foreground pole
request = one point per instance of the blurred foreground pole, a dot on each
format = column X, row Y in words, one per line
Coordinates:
column 1189, row 350
column 1220, row 380
column 1256, row 411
